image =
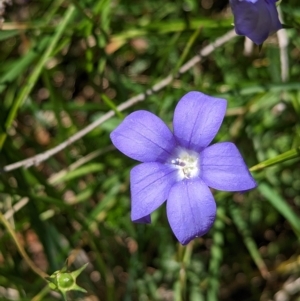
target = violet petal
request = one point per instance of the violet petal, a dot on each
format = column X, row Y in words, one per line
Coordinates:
column 144, row 220
column 256, row 19
column 150, row 184
column 191, row 210
column 223, row 168
column 144, row 137
column 197, row 119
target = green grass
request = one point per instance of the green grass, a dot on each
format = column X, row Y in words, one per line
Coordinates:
column 66, row 64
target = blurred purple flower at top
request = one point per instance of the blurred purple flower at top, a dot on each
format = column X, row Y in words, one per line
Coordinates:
column 179, row 167
column 255, row 19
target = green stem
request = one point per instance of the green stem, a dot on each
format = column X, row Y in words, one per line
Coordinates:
column 22, row 251
column 291, row 154
column 40, row 296
column 216, row 257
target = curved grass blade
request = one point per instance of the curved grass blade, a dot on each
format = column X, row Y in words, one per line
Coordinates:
column 281, row 206
column 249, row 242
column 25, row 91
column 216, row 257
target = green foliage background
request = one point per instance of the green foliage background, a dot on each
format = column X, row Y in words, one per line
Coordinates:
column 65, row 64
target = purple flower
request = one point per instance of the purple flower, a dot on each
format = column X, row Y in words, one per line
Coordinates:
column 180, row 166
column 255, row 19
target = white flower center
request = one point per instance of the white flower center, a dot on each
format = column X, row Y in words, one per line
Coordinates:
column 187, row 162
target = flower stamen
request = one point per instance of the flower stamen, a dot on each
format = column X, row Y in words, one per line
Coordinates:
column 186, row 162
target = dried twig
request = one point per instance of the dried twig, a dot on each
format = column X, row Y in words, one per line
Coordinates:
column 54, row 178
column 283, row 42
column 16, row 207
column 248, row 47
column 37, row 159
column 3, row 4
column 290, row 288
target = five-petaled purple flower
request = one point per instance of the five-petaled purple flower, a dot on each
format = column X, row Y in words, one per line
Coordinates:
column 179, row 167
column 255, row 19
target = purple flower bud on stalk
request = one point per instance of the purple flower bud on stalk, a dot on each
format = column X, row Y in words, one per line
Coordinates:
column 181, row 166
column 255, row 19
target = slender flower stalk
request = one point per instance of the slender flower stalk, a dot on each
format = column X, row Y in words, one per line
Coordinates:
column 181, row 166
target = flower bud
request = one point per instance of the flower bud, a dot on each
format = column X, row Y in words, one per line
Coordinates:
column 64, row 281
